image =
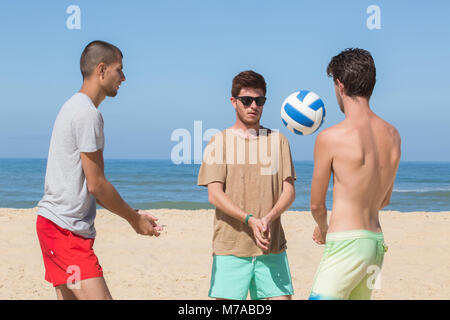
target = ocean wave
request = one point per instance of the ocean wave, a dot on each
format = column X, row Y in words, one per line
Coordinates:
column 423, row 190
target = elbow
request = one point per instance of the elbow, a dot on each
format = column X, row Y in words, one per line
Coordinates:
column 212, row 198
column 93, row 189
column 293, row 197
column 386, row 202
column 96, row 187
column 317, row 207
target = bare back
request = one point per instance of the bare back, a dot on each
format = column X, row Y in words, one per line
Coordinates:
column 365, row 158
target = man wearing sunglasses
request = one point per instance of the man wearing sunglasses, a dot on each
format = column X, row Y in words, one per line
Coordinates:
column 249, row 246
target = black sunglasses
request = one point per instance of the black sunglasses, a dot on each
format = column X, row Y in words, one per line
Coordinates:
column 247, row 101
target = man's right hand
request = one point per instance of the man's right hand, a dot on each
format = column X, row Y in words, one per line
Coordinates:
column 319, row 236
column 145, row 224
column 258, row 232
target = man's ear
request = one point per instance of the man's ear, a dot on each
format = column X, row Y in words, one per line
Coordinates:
column 101, row 69
column 340, row 86
column 233, row 102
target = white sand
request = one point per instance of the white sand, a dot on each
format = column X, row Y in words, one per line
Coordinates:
column 177, row 265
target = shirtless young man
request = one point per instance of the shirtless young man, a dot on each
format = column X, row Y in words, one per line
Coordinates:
column 363, row 153
column 75, row 182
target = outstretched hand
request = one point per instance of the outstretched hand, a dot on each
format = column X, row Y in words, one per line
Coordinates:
column 145, row 224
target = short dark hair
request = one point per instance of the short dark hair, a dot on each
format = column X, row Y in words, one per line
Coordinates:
column 355, row 68
column 247, row 79
column 97, row 52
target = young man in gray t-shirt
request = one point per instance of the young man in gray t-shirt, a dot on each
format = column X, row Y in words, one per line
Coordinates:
column 75, row 182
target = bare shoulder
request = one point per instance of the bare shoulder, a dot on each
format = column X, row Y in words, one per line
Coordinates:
column 330, row 135
column 389, row 138
column 395, row 135
column 394, row 132
column 391, row 131
column 327, row 142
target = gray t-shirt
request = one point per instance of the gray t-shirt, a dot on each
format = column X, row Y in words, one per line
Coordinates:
column 67, row 201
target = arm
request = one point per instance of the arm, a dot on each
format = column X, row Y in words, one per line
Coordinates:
column 321, row 178
column 99, row 203
column 387, row 198
column 220, row 200
column 108, row 197
column 286, row 199
column 397, row 139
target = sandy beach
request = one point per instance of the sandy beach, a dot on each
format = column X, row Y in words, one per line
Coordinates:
column 177, row 265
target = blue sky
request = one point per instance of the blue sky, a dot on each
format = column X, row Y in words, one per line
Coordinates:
column 180, row 58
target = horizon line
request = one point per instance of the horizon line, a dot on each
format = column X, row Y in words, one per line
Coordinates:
column 164, row 159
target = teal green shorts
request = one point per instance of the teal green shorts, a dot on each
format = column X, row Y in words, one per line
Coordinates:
column 264, row 276
column 350, row 265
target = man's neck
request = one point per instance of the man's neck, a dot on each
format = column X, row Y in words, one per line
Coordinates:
column 94, row 92
column 246, row 129
column 356, row 108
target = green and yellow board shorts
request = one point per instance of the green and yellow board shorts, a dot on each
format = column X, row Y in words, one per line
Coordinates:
column 350, row 265
column 262, row 276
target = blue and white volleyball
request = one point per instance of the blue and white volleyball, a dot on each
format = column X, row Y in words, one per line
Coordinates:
column 303, row 112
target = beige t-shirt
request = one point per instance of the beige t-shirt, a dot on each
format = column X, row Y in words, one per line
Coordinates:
column 252, row 170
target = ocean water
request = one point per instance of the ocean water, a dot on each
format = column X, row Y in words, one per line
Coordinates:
column 148, row 184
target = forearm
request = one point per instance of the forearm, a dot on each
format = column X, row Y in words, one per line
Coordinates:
column 284, row 202
column 221, row 201
column 108, row 197
column 102, row 205
column 319, row 213
column 386, row 201
column 99, row 203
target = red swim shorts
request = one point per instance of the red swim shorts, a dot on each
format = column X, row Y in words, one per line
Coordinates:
column 68, row 258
